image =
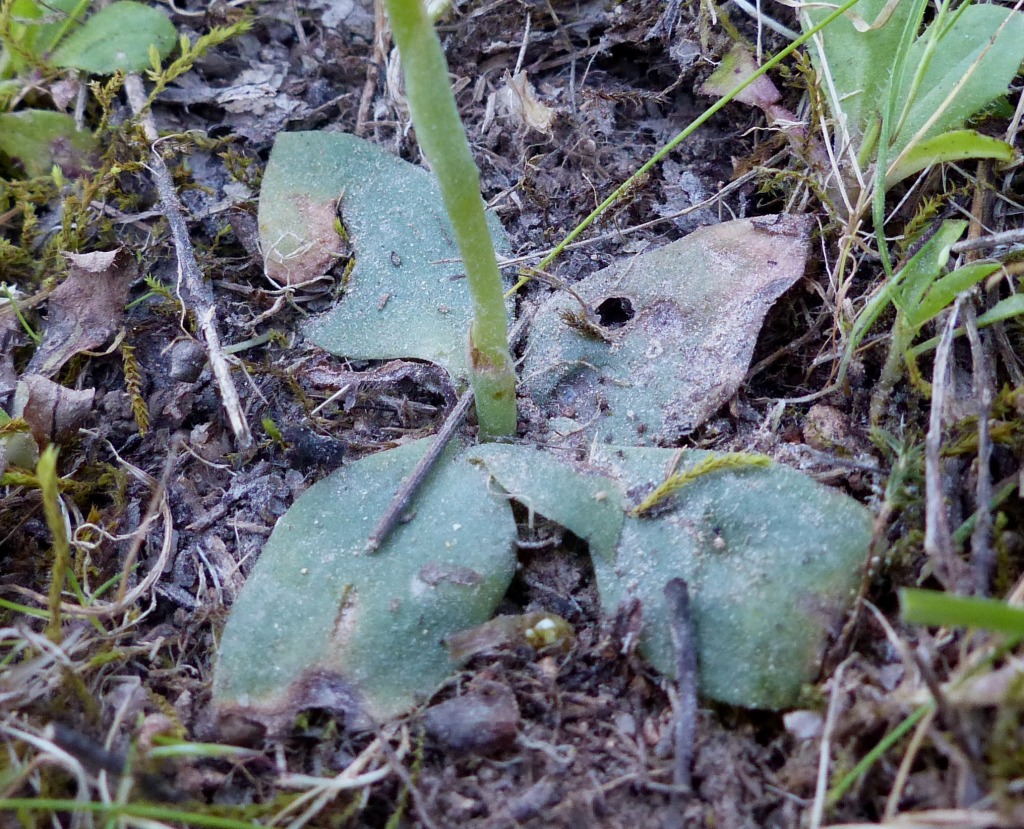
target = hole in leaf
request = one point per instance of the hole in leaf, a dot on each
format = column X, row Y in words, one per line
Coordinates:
column 615, row 311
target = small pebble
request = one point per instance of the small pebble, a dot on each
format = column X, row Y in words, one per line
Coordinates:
column 480, row 722
column 188, row 358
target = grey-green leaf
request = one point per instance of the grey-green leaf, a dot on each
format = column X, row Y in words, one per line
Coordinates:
column 770, row 556
column 406, row 296
column 322, row 623
column 567, row 492
column 118, row 37
column 771, row 559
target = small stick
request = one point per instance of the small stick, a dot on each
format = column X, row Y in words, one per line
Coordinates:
column 685, row 643
column 193, row 291
column 981, row 539
column 139, row 536
column 380, row 42
column 993, row 240
column 938, row 540
column 411, row 485
column 825, row 749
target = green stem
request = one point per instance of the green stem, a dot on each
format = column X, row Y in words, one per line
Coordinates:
column 46, row 471
column 442, row 138
column 143, row 811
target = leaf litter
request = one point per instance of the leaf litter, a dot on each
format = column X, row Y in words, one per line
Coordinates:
column 593, row 729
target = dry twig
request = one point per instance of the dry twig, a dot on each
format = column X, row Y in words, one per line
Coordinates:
column 192, row 289
column 684, row 640
column 981, row 539
column 825, row 750
column 938, row 540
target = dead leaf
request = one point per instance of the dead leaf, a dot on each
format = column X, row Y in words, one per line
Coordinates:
column 677, row 330
column 52, row 412
column 86, row 309
column 736, row 66
column 520, row 102
column 321, row 249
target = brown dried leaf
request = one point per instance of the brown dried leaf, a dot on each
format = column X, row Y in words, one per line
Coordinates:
column 52, row 412
column 86, row 309
column 322, row 246
column 520, row 102
column 737, row 66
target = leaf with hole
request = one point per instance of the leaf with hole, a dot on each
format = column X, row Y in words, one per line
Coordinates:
column 646, row 350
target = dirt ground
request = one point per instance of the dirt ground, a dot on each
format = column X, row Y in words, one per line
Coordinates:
column 591, row 730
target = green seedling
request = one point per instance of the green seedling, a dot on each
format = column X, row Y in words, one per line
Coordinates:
column 273, row 432
column 738, row 533
column 900, row 100
column 919, row 291
column 32, row 334
column 443, row 140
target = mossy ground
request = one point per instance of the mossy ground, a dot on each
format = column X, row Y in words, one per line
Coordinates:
column 593, row 746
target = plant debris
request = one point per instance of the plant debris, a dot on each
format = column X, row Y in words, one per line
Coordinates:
column 107, row 667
